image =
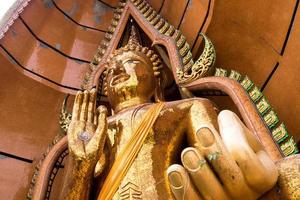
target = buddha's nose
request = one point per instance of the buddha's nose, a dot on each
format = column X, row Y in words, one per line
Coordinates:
column 118, row 68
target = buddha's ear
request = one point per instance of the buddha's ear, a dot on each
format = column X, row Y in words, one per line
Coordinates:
column 159, row 94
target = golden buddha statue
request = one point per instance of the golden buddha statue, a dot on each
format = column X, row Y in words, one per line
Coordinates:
column 134, row 151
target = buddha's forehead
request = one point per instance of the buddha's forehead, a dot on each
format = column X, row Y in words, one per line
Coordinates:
column 130, row 55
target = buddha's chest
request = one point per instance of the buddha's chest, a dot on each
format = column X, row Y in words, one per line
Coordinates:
column 145, row 178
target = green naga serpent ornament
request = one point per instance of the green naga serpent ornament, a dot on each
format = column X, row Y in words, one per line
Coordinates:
column 276, row 127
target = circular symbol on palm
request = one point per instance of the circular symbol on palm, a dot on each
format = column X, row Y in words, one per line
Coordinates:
column 84, row 136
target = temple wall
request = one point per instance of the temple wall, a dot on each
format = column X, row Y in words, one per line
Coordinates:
column 284, row 85
column 28, row 123
column 88, row 13
column 61, row 38
column 15, row 176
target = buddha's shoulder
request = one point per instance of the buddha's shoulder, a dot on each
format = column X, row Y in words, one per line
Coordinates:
column 174, row 107
column 188, row 103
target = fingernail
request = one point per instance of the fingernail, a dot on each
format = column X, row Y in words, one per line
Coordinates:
column 78, row 92
column 191, row 159
column 205, row 137
column 102, row 109
column 175, row 179
column 226, row 119
column 94, row 94
column 78, row 97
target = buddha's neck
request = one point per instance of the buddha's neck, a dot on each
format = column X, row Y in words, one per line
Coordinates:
column 130, row 103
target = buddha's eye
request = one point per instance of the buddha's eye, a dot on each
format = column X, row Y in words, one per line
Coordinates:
column 132, row 61
column 109, row 71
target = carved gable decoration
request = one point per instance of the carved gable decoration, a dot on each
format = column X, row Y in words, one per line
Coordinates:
column 160, row 32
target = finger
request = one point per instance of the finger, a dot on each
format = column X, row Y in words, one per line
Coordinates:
column 96, row 114
column 250, row 137
column 211, row 146
column 84, row 105
column 77, row 105
column 96, row 119
column 201, row 174
column 270, row 168
column 98, row 139
column 180, row 184
column 100, row 165
column 91, row 106
column 259, row 176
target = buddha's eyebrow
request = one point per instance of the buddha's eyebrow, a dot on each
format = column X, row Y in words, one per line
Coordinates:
column 131, row 60
column 109, row 70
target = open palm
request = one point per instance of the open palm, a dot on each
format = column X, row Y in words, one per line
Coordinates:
column 87, row 130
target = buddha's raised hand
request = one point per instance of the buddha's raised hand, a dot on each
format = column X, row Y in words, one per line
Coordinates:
column 86, row 138
column 232, row 165
column 87, row 130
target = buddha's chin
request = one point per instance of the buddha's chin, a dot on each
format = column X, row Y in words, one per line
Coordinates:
column 127, row 98
column 125, row 93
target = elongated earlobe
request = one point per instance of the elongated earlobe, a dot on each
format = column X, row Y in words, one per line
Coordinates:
column 158, row 94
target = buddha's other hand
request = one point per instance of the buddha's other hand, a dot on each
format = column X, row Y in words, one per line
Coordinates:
column 232, row 165
column 87, row 131
column 86, row 138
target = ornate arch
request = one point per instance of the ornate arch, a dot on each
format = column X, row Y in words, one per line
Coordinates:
column 160, row 32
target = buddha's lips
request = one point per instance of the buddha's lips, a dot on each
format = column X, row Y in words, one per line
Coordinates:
column 119, row 79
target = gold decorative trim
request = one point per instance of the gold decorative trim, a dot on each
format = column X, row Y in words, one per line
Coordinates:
column 289, row 147
column 103, row 46
column 278, row 130
column 64, row 116
column 64, row 121
column 280, row 133
column 39, row 164
column 202, row 67
column 191, row 71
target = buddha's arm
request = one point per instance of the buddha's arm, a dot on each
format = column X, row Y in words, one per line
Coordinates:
column 77, row 182
column 86, row 138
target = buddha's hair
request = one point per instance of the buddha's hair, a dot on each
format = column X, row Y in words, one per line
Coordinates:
column 133, row 45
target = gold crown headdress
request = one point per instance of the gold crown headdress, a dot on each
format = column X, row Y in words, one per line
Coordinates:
column 135, row 46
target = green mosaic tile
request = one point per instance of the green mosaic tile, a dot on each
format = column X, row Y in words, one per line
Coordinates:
column 221, row 72
column 263, row 106
column 255, row 94
column 280, row 133
column 271, row 119
column 235, row 75
column 289, row 147
column 247, row 83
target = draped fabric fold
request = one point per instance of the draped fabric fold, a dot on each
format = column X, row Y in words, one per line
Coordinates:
column 127, row 156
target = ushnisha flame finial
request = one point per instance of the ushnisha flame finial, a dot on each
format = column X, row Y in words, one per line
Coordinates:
column 134, row 39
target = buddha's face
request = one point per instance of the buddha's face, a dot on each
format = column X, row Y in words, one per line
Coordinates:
column 130, row 76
